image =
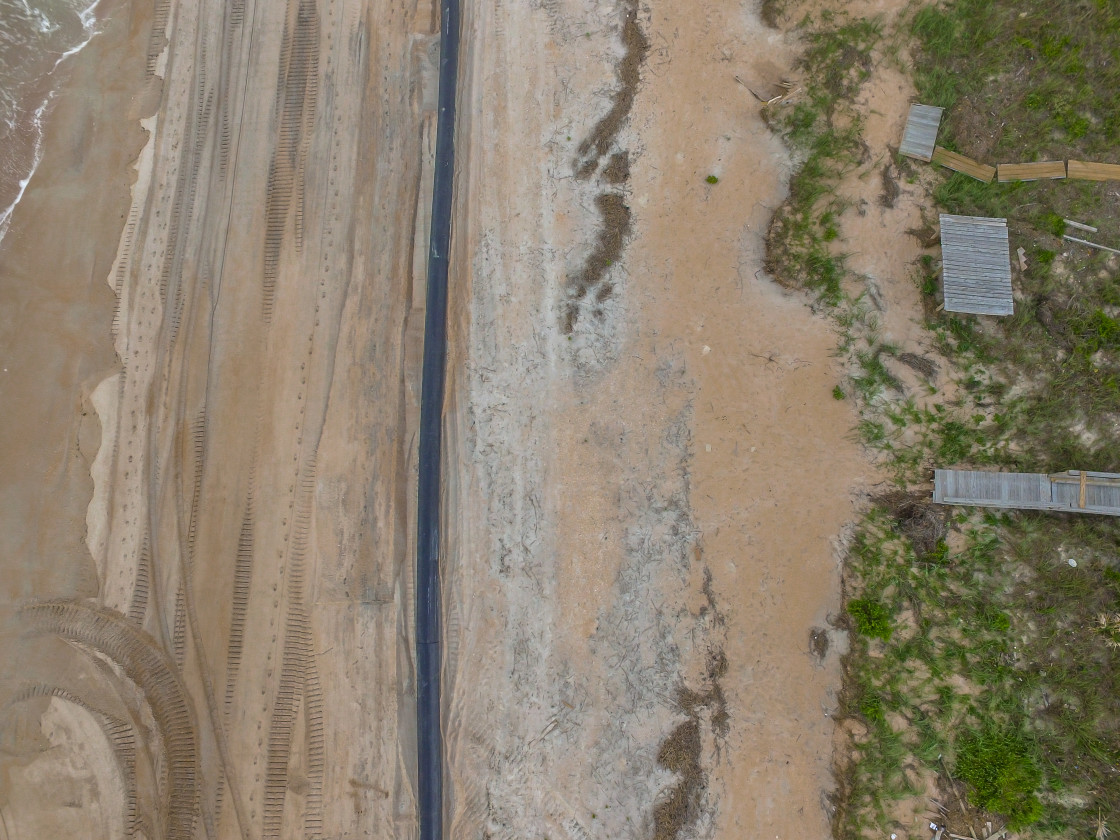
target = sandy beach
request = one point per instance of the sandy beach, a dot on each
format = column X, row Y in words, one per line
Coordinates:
column 212, row 309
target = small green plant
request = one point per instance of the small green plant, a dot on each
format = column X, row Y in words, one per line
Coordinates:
column 712, row 179
column 871, row 707
column 1003, row 774
column 929, row 285
column 872, row 618
column 940, row 553
column 838, row 393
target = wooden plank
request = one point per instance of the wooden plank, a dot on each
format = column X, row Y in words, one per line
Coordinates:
column 1044, row 170
column 973, row 221
column 1090, row 244
column 920, row 134
column 1087, row 228
column 965, row 165
column 1088, row 171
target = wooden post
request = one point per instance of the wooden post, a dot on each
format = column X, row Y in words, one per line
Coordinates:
column 1081, row 497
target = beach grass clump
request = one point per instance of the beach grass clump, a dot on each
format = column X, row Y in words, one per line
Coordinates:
column 1001, row 769
column 872, row 618
column 823, row 130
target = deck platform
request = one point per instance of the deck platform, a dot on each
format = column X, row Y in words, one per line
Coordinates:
column 976, row 265
column 1074, row 491
column 921, row 131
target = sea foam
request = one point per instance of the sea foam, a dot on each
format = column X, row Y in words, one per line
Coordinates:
column 36, row 39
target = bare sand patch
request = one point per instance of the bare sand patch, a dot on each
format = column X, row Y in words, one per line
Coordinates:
column 650, row 494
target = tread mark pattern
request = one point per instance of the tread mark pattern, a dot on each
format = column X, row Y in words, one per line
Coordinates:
column 111, row 634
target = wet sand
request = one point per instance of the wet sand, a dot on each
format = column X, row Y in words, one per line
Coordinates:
column 57, row 311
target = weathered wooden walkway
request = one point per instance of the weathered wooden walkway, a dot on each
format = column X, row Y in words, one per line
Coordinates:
column 1075, row 491
column 1044, row 170
column 1093, row 171
column 976, row 265
column 921, row 132
column 960, row 163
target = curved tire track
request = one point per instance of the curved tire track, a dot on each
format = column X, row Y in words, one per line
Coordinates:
column 137, row 654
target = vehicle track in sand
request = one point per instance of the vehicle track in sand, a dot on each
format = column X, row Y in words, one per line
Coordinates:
column 145, row 664
column 250, row 514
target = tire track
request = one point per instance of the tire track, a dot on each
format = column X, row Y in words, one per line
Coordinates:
column 296, row 96
column 242, row 580
column 122, row 740
column 137, row 654
column 179, row 634
column 297, row 675
column 157, row 40
column 138, row 606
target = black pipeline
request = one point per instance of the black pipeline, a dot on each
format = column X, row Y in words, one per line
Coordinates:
column 429, row 738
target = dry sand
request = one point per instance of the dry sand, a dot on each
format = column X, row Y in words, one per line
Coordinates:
column 210, row 462
column 646, row 502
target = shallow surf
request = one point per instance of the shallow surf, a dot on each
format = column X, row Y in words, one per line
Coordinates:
column 36, row 39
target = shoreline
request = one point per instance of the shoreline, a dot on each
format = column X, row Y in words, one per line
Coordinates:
column 29, row 129
column 56, row 344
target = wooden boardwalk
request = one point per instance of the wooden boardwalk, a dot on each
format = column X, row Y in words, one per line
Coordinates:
column 976, row 265
column 921, row 132
column 1093, row 171
column 960, row 163
column 1074, row 491
column 1044, row 170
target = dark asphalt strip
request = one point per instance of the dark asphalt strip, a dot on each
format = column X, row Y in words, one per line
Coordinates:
column 429, row 738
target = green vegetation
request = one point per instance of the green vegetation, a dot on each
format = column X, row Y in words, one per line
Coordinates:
column 712, row 179
column 980, row 657
column 824, row 131
column 1001, row 768
column 1001, row 659
column 1028, row 81
column 872, row 618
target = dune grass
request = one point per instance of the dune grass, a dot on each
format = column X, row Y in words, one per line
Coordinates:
column 981, row 656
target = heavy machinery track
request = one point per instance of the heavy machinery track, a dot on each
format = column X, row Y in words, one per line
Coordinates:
column 122, row 738
column 140, row 658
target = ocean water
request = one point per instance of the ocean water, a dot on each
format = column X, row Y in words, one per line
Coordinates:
column 36, row 38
